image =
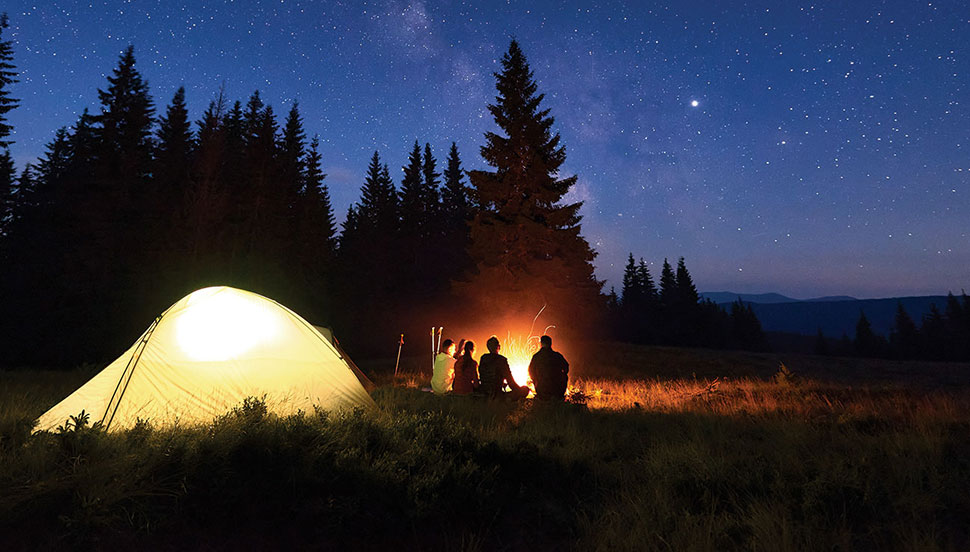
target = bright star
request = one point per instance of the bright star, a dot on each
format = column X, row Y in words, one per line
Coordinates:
column 694, row 103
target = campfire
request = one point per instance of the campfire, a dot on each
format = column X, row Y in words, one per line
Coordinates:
column 519, row 351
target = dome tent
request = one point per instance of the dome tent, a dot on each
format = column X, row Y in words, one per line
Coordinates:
column 206, row 354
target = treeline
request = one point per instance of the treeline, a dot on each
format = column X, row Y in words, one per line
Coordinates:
column 124, row 213
column 938, row 336
column 671, row 312
column 128, row 210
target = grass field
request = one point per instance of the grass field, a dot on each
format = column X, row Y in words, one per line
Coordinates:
column 660, row 449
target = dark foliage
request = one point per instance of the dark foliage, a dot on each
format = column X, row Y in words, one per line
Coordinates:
column 675, row 315
column 943, row 336
column 525, row 241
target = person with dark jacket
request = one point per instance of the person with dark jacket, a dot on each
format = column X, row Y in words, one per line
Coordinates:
column 549, row 371
column 495, row 373
column 466, row 372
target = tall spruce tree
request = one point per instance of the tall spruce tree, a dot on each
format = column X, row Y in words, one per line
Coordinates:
column 456, row 212
column 324, row 222
column 526, row 242
column 933, row 334
column 421, row 227
column 317, row 245
column 649, row 289
column 632, row 285
column 172, row 180
column 207, row 202
column 668, row 286
column 113, row 207
column 904, row 337
column 292, row 150
column 414, row 216
column 686, row 292
column 866, row 342
column 175, row 144
column 8, row 175
column 432, row 197
column 8, row 76
column 370, row 256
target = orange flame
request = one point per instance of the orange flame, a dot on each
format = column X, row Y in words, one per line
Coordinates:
column 519, row 351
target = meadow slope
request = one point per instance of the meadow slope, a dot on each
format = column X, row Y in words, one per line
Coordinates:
column 660, row 449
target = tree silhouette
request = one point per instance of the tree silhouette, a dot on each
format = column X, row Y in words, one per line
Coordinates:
column 866, row 342
column 8, row 76
column 904, row 337
column 526, row 242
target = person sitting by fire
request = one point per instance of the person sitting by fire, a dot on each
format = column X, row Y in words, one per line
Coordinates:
column 496, row 374
column 549, row 371
column 466, row 372
column 444, row 368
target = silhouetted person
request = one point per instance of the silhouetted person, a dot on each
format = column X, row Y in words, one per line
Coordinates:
column 495, row 373
column 549, row 371
column 466, row 372
column 444, row 368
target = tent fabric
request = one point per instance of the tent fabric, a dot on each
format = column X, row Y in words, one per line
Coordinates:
column 205, row 355
column 327, row 333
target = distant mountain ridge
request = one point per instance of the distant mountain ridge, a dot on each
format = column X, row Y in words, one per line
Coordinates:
column 835, row 315
column 721, row 297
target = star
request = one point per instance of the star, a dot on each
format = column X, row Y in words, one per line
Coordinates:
column 694, row 103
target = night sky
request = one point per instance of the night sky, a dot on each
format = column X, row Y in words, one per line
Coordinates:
column 804, row 149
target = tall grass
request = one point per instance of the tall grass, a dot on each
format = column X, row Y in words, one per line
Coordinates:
column 712, row 461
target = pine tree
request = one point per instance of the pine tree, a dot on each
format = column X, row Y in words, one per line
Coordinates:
column 631, row 313
column 904, row 337
column 866, row 343
column 686, row 292
column 175, row 145
column 413, row 214
column 632, row 288
column 372, row 224
column 455, row 195
column 8, row 174
column 369, row 254
column 292, row 150
column 325, row 223
column 24, row 195
column 746, row 330
column 668, row 286
column 172, row 177
column 648, row 288
column 317, row 245
column 125, row 123
column 207, row 202
column 113, row 207
column 55, row 163
column 526, row 243
column 933, row 334
column 432, row 197
column 456, row 211
column 954, row 325
column 8, row 76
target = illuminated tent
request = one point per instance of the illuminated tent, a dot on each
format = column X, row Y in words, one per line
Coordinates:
column 206, row 354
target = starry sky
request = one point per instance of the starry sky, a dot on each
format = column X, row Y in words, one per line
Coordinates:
column 802, row 148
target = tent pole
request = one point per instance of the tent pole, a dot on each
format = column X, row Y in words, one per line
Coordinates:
column 129, row 370
column 397, row 362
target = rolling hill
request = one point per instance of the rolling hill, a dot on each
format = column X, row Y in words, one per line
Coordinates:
column 833, row 315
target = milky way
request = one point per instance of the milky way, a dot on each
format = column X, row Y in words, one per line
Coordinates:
column 826, row 153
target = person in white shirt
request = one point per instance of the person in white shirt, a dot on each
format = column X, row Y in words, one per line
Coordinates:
column 444, row 368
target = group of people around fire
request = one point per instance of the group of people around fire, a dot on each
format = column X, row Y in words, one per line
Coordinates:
column 456, row 371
